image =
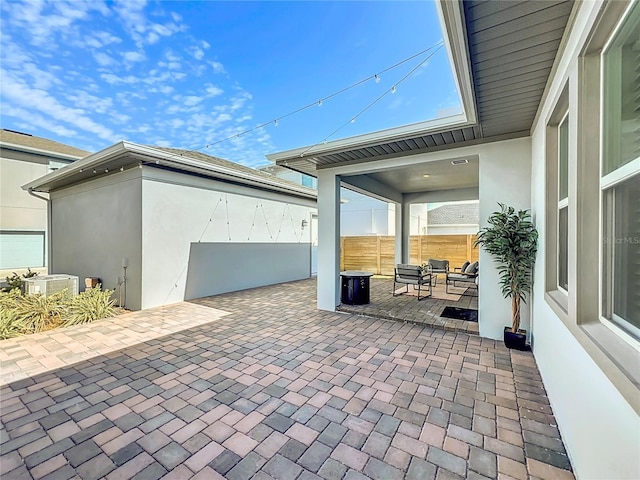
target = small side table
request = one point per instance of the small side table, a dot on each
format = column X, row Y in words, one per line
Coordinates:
column 354, row 287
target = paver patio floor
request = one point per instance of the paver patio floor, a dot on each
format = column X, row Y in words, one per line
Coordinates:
column 277, row 389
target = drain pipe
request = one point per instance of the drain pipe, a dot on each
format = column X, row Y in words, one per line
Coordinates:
column 49, row 232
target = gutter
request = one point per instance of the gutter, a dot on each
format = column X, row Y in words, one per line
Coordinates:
column 49, row 230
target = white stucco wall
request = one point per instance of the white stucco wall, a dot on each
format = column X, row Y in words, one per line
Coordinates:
column 599, row 427
column 95, row 226
column 18, row 209
column 178, row 210
column 505, row 170
column 363, row 215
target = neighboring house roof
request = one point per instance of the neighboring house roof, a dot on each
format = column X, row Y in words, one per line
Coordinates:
column 125, row 155
column 502, row 55
column 231, row 165
column 455, row 214
column 26, row 142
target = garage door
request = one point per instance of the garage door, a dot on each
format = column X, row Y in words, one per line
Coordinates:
column 21, row 249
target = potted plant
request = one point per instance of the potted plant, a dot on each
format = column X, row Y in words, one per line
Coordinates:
column 512, row 240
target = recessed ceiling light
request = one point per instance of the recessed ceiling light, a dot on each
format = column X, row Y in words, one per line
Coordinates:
column 459, row 162
column 426, row 175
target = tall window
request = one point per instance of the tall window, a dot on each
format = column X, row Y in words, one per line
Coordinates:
column 620, row 177
column 563, row 204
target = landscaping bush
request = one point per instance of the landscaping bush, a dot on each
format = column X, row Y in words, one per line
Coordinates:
column 31, row 313
column 15, row 281
column 38, row 312
column 91, row 305
column 10, row 325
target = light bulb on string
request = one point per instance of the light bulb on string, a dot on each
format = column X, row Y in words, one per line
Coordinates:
column 377, row 78
column 275, row 122
column 393, row 89
column 319, row 103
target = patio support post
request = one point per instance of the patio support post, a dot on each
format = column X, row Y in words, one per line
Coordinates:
column 328, row 240
column 403, row 222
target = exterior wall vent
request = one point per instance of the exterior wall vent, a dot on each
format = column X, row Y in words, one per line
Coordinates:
column 462, row 161
column 50, row 284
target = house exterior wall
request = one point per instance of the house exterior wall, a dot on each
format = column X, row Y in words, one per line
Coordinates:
column 95, row 226
column 179, row 211
column 18, row 209
column 505, row 172
column 599, row 426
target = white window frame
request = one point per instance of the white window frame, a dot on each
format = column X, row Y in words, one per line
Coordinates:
column 562, row 203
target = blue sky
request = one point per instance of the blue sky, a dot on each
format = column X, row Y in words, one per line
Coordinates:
column 193, row 73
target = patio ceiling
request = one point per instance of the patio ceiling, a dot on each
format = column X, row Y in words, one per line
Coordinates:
column 506, row 49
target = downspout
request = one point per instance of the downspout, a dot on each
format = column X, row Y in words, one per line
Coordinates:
column 49, row 233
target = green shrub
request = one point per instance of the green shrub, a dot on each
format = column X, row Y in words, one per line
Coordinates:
column 10, row 324
column 90, row 305
column 37, row 312
column 14, row 282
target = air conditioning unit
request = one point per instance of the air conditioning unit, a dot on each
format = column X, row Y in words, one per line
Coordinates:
column 50, row 284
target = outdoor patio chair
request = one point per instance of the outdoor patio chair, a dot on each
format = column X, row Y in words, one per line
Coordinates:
column 438, row 266
column 466, row 275
column 412, row 275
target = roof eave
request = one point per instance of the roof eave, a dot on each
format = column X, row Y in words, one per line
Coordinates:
column 173, row 160
column 41, row 152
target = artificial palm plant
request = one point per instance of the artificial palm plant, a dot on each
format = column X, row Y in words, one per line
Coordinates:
column 512, row 240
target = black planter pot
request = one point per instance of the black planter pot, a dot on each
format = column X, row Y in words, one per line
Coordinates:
column 516, row 341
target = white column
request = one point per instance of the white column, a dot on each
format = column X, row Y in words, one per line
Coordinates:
column 328, row 240
column 406, row 230
column 403, row 222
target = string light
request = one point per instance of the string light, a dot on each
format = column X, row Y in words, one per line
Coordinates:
column 393, row 89
column 275, row 122
column 375, row 77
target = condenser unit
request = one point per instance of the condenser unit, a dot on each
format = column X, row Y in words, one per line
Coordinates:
column 50, row 284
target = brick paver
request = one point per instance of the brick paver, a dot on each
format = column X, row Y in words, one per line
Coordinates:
column 267, row 386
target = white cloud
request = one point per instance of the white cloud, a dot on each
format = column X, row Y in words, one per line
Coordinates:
column 113, row 79
column 213, row 91
column 191, row 100
column 240, row 100
column 103, row 59
column 19, row 93
column 133, row 56
column 217, row 67
column 82, row 99
column 45, row 20
column 196, row 52
column 35, row 120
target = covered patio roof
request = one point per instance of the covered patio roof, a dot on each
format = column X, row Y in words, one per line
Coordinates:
column 502, row 55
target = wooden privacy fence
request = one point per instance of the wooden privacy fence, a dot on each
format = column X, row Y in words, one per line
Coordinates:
column 377, row 253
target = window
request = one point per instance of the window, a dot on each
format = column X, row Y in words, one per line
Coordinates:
column 563, row 204
column 620, row 177
column 557, row 198
column 21, row 249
